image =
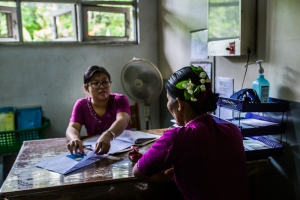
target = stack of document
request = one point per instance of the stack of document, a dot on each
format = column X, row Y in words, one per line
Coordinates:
column 259, row 142
column 250, row 123
column 66, row 162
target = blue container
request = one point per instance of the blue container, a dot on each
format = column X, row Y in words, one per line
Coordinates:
column 29, row 117
column 7, row 109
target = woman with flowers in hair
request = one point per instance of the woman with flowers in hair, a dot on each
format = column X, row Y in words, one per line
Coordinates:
column 205, row 158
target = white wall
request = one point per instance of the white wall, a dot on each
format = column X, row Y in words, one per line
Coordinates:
column 278, row 45
column 52, row 76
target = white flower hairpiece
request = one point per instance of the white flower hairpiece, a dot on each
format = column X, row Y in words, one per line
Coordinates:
column 190, row 88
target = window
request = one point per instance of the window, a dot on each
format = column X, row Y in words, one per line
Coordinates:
column 106, row 23
column 69, row 21
column 64, row 24
column 8, row 24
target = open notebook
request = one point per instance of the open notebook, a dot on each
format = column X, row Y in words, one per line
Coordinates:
column 123, row 142
column 66, row 163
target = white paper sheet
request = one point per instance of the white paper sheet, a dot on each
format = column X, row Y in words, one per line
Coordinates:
column 224, row 86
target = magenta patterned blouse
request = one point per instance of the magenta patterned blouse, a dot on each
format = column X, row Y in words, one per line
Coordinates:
column 84, row 114
column 208, row 158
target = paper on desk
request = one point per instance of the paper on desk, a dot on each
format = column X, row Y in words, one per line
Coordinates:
column 137, row 137
column 125, row 140
column 64, row 165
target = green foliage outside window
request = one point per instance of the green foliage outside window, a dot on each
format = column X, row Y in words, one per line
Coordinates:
column 223, row 19
column 64, row 25
column 3, row 25
column 37, row 20
column 106, row 24
column 37, row 24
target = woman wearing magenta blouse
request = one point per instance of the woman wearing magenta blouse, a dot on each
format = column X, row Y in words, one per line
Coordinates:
column 102, row 113
column 206, row 159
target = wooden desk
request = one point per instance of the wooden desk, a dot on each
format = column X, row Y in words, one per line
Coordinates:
column 109, row 178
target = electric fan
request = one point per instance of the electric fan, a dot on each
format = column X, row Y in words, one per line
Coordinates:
column 142, row 81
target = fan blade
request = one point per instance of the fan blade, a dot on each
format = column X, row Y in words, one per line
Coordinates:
column 146, row 86
column 131, row 73
column 141, row 81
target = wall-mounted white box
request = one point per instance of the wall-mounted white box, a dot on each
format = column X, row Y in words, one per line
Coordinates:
column 231, row 27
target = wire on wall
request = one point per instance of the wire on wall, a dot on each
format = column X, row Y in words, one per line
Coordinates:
column 249, row 52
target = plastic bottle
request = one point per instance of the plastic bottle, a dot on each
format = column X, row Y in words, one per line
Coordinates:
column 261, row 85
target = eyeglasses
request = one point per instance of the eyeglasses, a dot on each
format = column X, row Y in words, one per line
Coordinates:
column 96, row 85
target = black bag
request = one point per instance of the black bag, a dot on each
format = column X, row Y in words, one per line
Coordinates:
column 247, row 94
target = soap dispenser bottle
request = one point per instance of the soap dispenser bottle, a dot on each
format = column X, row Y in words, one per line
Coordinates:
column 261, row 85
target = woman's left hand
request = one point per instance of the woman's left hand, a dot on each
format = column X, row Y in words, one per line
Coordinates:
column 103, row 143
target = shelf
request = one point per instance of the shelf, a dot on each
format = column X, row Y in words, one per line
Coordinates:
column 275, row 105
column 261, row 147
column 263, row 153
column 251, row 132
column 277, row 127
column 253, row 126
column 248, row 131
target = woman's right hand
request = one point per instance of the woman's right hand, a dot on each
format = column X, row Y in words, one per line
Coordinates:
column 75, row 146
column 102, row 145
column 73, row 136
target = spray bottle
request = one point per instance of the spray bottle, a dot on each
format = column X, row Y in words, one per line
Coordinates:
column 261, row 85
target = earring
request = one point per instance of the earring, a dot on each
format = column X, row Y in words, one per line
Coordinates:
column 179, row 109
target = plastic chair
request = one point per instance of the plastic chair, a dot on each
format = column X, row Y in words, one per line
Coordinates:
column 135, row 122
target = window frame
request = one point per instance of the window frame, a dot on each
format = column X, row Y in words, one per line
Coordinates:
column 80, row 36
column 124, row 11
column 12, row 24
column 71, row 9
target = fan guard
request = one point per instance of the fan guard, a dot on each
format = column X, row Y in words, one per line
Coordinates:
column 142, row 82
